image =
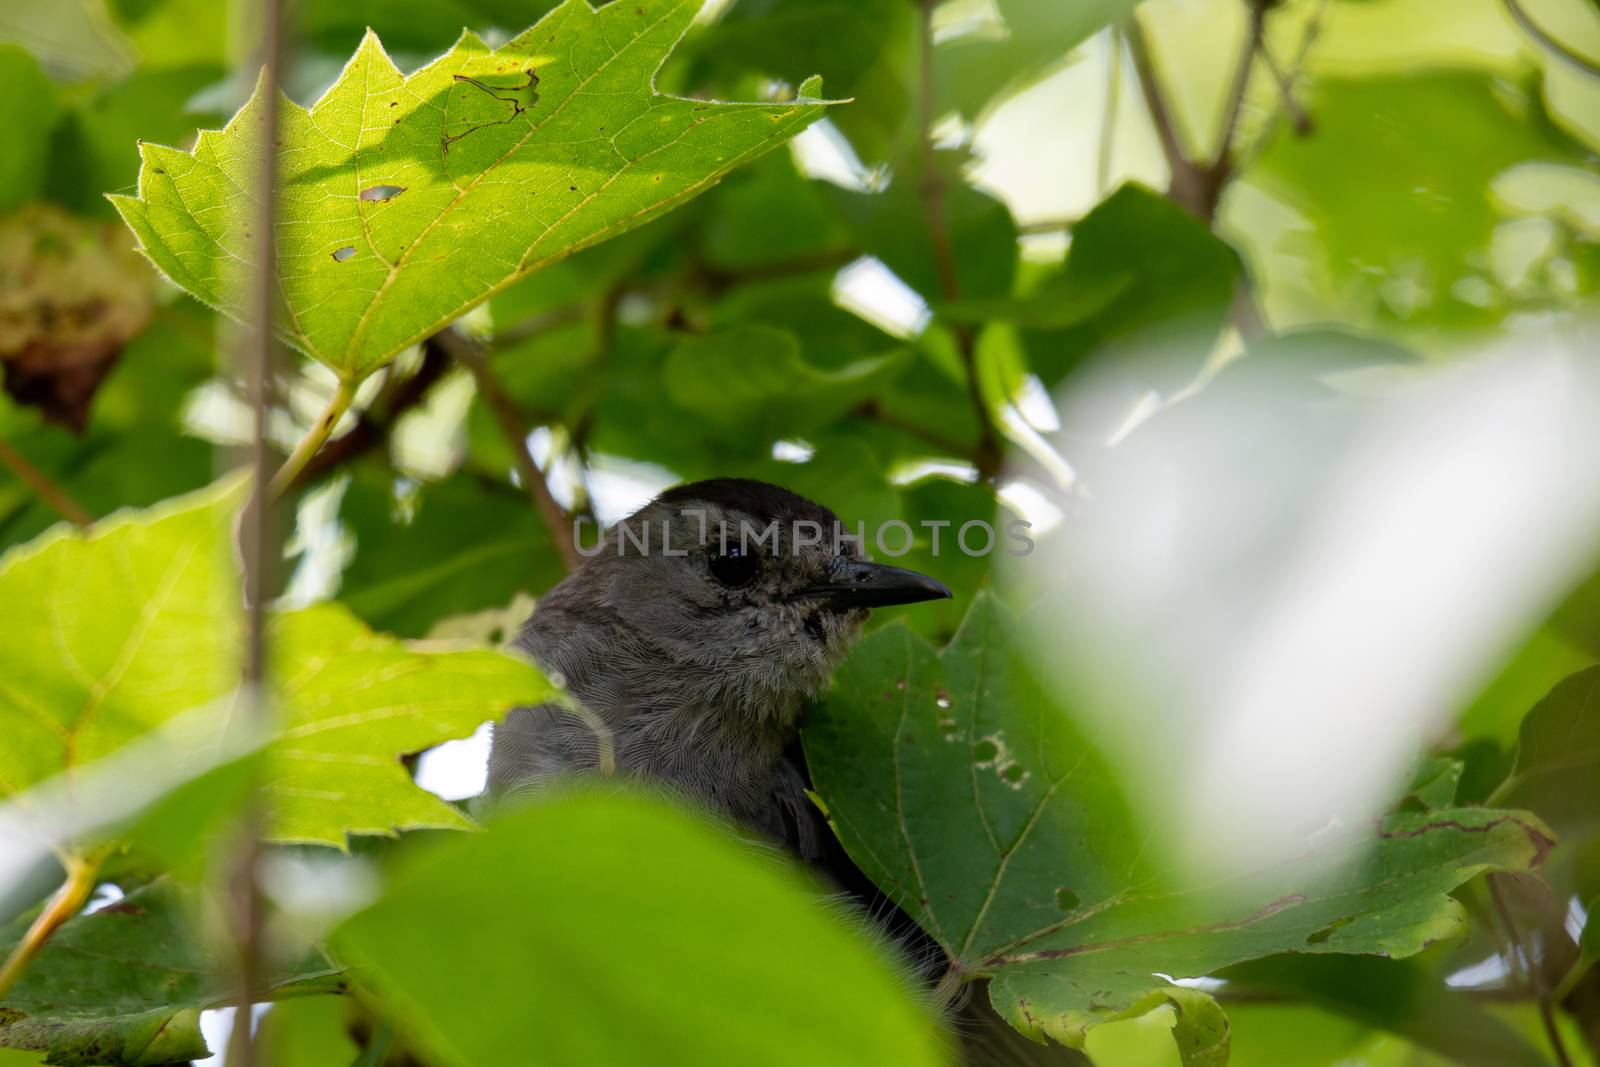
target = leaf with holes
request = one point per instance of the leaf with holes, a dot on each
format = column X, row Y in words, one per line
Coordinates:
column 138, row 621
column 126, row 984
column 407, row 200
column 959, row 785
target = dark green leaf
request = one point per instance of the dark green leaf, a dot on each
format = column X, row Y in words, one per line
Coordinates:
column 28, row 112
column 126, row 984
column 967, row 793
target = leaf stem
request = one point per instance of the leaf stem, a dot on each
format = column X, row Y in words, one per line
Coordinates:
column 59, row 499
column 343, row 394
column 66, row 902
column 1533, row 979
column 515, row 430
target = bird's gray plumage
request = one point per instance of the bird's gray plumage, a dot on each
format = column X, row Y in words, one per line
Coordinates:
column 699, row 685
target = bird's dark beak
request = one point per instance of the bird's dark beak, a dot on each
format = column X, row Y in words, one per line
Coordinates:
column 858, row 584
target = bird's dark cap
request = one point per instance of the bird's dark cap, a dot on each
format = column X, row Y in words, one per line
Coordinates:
column 762, row 501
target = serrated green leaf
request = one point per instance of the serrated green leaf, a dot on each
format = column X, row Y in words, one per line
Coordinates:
column 112, row 632
column 407, row 200
column 960, row 786
column 352, row 702
column 595, row 908
column 138, row 621
column 125, row 985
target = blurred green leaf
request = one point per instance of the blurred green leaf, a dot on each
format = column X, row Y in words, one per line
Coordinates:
column 177, row 33
column 307, row 1032
column 752, row 381
column 893, row 225
column 861, row 48
column 959, row 786
column 465, row 549
column 126, row 984
column 71, row 38
column 1408, row 243
column 1399, row 996
column 28, row 109
column 473, row 931
column 142, row 399
column 1174, row 282
column 1557, row 772
column 973, row 69
column 406, row 201
column 96, row 147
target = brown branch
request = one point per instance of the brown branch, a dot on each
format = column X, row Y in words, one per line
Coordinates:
column 1222, row 163
column 987, row 454
column 1191, row 186
column 1531, row 973
column 515, row 428
column 59, row 499
column 258, row 537
column 871, row 409
column 374, row 425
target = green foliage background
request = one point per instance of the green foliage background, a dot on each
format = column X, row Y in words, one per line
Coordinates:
column 1054, row 185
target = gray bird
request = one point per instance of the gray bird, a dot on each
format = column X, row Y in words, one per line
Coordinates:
column 692, row 650
column 694, row 635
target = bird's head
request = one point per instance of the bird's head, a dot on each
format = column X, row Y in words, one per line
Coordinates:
column 739, row 586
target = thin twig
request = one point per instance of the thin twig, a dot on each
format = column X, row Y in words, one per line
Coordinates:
column 343, row 394
column 1549, row 43
column 1187, row 184
column 59, row 499
column 987, row 454
column 515, row 430
column 258, row 545
column 66, row 902
column 1108, row 117
column 1223, row 160
column 1531, row 975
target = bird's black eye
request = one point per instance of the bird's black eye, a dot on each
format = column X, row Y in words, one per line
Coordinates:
column 733, row 566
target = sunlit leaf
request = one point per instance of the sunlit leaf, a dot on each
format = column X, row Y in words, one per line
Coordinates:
column 407, row 200
column 139, row 620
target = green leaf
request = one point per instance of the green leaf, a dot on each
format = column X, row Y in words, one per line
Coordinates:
column 407, row 200
column 966, row 793
column 465, row 549
column 1409, row 243
column 138, row 620
column 352, row 702
column 1401, row 996
column 126, row 984
column 28, row 112
column 127, row 625
column 752, row 381
column 973, row 69
column 710, row 951
column 1171, row 282
column 1557, row 772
